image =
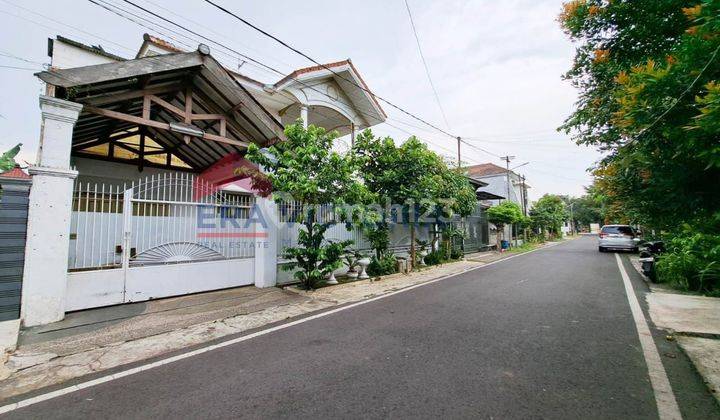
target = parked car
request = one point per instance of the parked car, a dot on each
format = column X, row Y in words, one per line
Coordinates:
column 618, row 237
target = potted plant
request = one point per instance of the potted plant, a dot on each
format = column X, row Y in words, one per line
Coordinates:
column 351, row 258
column 332, row 259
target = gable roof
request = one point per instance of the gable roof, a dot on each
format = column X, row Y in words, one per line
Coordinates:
column 328, row 68
column 122, row 87
column 485, row 169
column 15, row 173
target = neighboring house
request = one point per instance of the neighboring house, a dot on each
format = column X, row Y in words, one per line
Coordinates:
column 496, row 177
column 478, row 235
column 131, row 154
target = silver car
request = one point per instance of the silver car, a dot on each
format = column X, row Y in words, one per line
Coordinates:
column 618, row 237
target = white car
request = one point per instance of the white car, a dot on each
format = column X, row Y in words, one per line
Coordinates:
column 618, row 237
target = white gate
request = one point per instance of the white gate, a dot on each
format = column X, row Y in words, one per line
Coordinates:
column 167, row 235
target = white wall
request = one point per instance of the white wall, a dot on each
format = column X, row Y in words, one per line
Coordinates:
column 68, row 56
column 92, row 170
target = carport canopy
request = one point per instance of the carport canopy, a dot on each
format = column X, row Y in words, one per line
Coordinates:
column 180, row 111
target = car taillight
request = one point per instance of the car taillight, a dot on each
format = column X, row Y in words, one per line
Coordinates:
column 602, row 235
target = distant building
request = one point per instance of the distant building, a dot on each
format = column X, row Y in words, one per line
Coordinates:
column 496, row 177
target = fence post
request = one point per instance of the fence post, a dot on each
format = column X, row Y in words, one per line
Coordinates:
column 49, row 213
column 265, row 238
column 127, row 236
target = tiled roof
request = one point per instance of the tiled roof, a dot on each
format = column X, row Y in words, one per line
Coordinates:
column 485, row 169
column 15, row 173
column 161, row 43
column 311, row 69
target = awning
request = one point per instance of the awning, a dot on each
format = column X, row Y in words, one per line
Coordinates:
column 484, row 195
column 186, row 104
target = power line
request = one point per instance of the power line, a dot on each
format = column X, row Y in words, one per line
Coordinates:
column 8, row 55
column 219, row 44
column 211, row 30
column 116, row 12
column 295, row 50
column 60, row 23
column 427, row 70
column 17, row 68
column 286, row 45
column 676, row 100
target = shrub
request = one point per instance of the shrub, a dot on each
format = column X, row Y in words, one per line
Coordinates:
column 456, row 254
column 435, row 257
column 692, row 262
column 382, row 266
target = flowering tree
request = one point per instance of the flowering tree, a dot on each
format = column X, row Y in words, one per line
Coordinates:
column 648, row 74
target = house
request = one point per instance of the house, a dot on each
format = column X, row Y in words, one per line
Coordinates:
column 476, row 227
column 136, row 190
column 501, row 185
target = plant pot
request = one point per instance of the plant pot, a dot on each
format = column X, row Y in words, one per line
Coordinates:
column 364, row 262
column 422, row 254
column 331, row 279
column 352, row 274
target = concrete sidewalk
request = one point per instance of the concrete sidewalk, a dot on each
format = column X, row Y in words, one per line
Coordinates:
column 694, row 321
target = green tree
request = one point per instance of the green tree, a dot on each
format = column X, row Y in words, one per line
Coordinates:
column 505, row 213
column 408, row 175
column 548, row 214
column 307, row 170
column 586, row 209
column 649, row 82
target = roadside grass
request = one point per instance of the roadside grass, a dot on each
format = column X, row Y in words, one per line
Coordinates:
column 525, row 247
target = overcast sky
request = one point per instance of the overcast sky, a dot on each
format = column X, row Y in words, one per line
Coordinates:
column 497, row 66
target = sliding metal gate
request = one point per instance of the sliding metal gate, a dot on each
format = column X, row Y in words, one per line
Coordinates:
column 165, row 235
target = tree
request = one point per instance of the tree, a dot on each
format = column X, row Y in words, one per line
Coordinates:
column 410, row 176
column 649, row 82
column 505, row 213
column 548, row 213
column 307, row 170
column 586, row 209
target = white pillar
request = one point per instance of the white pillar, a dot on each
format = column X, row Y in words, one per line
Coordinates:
column 50, row 207
column 304, row 115
column 266, row 242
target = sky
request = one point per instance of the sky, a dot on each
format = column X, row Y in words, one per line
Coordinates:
column 497, row 67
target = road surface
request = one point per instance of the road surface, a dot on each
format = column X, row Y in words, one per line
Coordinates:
column 545, row 334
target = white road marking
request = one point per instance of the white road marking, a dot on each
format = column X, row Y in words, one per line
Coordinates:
column 664, row 397
column 128, row 372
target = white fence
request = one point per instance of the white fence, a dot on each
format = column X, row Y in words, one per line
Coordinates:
column 288, row 230
column 162, row 219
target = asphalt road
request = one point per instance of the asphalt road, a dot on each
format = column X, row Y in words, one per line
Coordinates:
column 544, row 335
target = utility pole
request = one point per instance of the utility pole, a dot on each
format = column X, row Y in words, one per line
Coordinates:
column 459, row 141
column 524, row 196
column 572, row 220
column 507, row 160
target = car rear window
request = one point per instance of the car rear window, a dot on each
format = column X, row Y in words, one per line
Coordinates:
column 625, row 230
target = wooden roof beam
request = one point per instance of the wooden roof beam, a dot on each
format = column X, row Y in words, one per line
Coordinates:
column 146, row 122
